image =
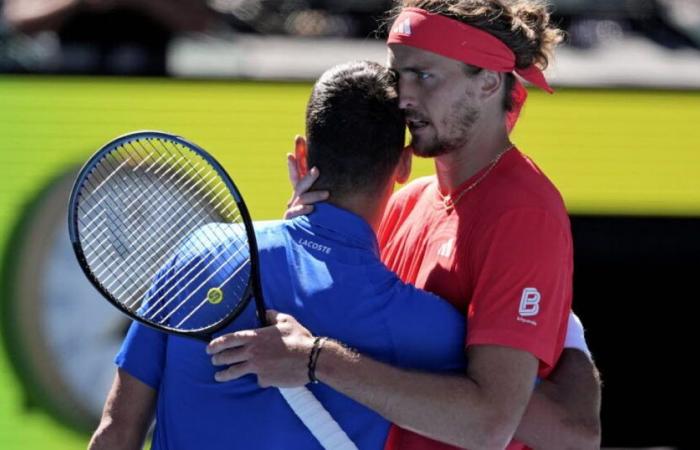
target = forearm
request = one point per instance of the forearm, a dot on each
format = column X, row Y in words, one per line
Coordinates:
column 127, row 414
column 545, row 426
column 111, row 435
column 449, row 408
column 564, row 411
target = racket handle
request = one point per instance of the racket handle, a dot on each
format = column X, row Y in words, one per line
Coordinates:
column 317, row 419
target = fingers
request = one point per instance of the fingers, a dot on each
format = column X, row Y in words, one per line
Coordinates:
column 229, row 350
column 229, row 357
column 298, row 210
column 277, row 353
column 300, row 184
column 303, row 204
column 230, row 340
column 302, row 199
column 292, row 169
column 305, row 183
column 309, row 198
column 233, row 372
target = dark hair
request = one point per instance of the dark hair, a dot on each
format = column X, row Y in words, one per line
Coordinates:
column 354, row 128
column 523, row 25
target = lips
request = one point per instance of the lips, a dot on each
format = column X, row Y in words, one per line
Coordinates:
column 416, row 124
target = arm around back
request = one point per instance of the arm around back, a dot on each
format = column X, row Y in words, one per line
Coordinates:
column 565, row 412
column 478, row 411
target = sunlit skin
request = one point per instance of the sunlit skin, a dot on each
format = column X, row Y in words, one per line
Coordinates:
column 453, row 112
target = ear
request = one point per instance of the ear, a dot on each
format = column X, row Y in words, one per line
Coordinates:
column 491, row 83
column 403, row 170
column 301, row 154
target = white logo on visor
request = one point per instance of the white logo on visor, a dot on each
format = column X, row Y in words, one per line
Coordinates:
column 529, row 302
column 403, row 27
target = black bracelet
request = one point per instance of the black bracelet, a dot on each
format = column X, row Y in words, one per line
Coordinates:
column 313, row 358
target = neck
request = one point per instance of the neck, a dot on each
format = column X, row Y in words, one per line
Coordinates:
column 478, row 152
column 369, row 207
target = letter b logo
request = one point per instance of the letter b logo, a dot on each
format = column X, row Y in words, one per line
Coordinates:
column 530, row 302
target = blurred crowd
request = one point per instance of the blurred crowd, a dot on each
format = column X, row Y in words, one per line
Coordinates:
column 131, row 37
column 96, row 36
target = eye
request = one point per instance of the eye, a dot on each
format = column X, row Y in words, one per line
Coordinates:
column 424, row 75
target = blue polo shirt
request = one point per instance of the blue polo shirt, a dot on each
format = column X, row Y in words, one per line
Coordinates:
column 324, row 269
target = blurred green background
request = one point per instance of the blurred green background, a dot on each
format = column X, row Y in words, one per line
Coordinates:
column 609, row 151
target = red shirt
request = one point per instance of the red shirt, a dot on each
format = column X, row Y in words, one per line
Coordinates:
column 503, row 255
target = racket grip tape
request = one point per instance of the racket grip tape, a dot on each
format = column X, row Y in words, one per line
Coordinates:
column 315, row 417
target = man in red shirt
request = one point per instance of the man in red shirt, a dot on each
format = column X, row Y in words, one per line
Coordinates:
column 489, row 233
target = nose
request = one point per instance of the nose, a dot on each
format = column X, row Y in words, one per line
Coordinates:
column 407, row 94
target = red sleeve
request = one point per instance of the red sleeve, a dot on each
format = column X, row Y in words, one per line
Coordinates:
column 523, row 267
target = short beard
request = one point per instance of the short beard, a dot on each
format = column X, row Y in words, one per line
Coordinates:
column 457, row 136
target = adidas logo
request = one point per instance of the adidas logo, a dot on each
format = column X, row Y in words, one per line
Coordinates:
column 403, row 28
column 445, row 249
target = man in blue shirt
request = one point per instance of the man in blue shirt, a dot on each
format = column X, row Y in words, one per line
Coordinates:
column 323, row 268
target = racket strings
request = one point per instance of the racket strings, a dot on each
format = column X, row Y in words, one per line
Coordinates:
column 197, row 206
column 107, row 203
column 179, row 274
column 145, row 229
column 107, row 253
column 141, row 203
column 204, row 302
column 189, row 275
column 171, row 229
column 219, row 189
column 159, row 171
column 193, row 291
column 144, row 226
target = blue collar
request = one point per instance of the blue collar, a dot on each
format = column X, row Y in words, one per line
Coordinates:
column 336, row 223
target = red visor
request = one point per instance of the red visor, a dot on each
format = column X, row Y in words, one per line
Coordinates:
column 435, row 33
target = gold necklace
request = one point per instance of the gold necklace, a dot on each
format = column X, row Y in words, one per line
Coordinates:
column 450, row 202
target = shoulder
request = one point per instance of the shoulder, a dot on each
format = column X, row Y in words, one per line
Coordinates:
column 273, row 236
column 409, row 195
column 532, row 187
column 520, row 188
column 206, row 239
column 270, row 233
column 413, row 190
column 402, row 202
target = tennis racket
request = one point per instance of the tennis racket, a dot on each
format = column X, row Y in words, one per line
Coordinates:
column 161, row 230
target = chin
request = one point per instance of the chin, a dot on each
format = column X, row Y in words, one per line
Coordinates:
column 428, row 149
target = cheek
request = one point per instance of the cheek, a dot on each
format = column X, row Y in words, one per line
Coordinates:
column 437, row 104
column 444, row 99
column 445, row 109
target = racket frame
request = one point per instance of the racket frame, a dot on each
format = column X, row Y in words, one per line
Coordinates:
column 254, row 287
